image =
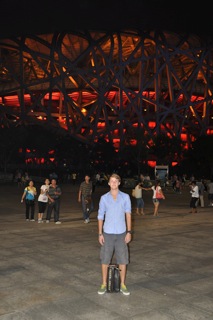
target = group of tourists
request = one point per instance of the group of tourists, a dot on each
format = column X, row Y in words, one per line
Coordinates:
column 197, row 191
column 114, row 219
column 48, row 199
column 114, row 216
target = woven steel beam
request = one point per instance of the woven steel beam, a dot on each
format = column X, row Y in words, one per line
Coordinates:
column 102, row 84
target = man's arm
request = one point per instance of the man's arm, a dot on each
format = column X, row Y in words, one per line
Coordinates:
column 49, row 197
column 79, row 195
column 128, row 222
column 100, row 227
column 100, row 232
column 91, row 187
column 128, row 228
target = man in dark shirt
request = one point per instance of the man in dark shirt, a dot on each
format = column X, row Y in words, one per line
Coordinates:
column 85, row 197
column 54, row 195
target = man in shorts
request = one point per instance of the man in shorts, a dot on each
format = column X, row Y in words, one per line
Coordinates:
column 114, row 231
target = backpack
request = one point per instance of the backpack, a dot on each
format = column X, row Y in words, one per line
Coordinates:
column 113, row 278
column 133, row 193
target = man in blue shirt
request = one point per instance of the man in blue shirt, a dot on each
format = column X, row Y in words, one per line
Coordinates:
column 114, row 230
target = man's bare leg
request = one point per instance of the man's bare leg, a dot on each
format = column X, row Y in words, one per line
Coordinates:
column 104, row 268
column 122, row 268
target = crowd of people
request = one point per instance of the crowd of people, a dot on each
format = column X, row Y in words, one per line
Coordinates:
column 48, row 200
column 50, row 194
column 114, row 219
column 197, row 190
column 114, row 212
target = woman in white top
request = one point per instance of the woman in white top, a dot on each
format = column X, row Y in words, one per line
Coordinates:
column 194, row 197
column 43, row 200
column 157, row 196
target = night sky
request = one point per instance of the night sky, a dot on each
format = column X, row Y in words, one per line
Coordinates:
column 28, row 17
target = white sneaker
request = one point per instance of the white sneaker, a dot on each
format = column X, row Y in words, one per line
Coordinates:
column 58, row 222
column 47, row 221
column 32, row 219
column 86, row 221
column 124, row 290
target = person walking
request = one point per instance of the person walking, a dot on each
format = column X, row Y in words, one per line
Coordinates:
column 74, row 178
column 85, row 197
column 29, row 197
column 201, row 188
column 18, row 178
column 157, row 196
column 210, row 192
column 114, row 231
column 54, row 195
column 43, row 200
column 194, row 196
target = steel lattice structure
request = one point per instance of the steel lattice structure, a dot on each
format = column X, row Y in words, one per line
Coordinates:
column 109, row 85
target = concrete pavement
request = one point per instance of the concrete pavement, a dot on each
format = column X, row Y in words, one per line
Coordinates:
column 52, row 272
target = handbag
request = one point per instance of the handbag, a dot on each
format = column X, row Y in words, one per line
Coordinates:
column 133, row 193
column 113, row 278
column 159, row 195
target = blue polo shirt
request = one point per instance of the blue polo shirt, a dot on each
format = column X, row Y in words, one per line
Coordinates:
column 113, row 212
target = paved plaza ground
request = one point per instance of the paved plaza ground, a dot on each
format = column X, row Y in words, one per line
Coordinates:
column 52, row 272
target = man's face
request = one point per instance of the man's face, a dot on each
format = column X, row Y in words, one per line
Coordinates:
column 114, row 183
column 87, row 178
column 53, row 182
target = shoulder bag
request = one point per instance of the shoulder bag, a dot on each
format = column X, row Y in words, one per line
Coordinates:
column 133, row 193
column 159, row 195
column 113, row 278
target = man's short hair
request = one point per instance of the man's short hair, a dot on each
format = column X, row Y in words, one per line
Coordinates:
column 116, row 176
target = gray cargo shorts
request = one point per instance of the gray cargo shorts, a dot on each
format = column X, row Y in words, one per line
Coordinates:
column 114, row 244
